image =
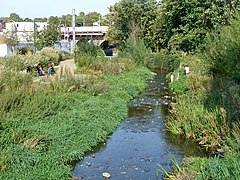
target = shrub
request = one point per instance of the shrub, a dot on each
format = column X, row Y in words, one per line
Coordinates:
column 87, row 47
column 22, row 62
column 179, row 86
column 165, row 61
column 86, row 53
column 54, row 55
column 222, row 53
column 137, row 51
column 25, row 50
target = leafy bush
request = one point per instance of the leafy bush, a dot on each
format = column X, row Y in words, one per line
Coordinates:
column 222, row 53
column 54, row 55
column 22, row 62
column 236, row 76
column 179, row 86
column 84, row 60
column 25, row 50
column 136, row 51
column 86, row 53
column 87, row 47
column 165, row 61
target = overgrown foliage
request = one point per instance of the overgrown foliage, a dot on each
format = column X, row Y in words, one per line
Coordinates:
column 172, row 24
column 187, row 22
column 23, row 62
column 48, row 36
column 132, row 18
column 209, row 114
column 47, row 124
column 222, row 54
column 86, row 53
column 164, row 60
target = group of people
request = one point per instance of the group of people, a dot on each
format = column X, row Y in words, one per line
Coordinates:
column 50, row 69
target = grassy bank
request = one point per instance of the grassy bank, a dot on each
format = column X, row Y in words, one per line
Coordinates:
column 45, row 125
column 207, row 112
column 207, row 109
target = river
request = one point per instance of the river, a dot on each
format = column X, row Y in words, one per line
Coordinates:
column 140, row 143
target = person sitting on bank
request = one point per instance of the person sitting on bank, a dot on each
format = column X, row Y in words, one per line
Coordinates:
column 39, row 69
column 50, row 68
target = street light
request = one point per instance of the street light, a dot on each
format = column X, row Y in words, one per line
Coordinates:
column 74, row 32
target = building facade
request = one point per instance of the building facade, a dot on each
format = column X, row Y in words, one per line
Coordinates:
column 24, row 31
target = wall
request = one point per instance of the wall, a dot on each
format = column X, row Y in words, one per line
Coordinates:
column 4, row 50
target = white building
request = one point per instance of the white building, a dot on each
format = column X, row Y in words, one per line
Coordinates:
column 25, row 30
column 25, row 33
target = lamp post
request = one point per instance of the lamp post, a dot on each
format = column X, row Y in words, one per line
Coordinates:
column 74, row 32
column 34, row 35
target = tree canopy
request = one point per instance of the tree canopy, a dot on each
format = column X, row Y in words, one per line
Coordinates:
column 186, row 23
column 172, row 24
column 131, row 18
column 50, row 35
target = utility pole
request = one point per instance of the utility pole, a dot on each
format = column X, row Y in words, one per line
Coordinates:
column 34, row 35
column 99, row 20
column 74, row 31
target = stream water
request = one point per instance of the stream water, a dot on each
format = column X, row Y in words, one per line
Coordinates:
column 140, row 143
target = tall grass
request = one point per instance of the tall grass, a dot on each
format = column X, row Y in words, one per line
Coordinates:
column 44, row 126
column 208, row 112
column 221, row 168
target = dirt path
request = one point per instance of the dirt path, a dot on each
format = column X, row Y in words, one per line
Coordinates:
column 67, row 66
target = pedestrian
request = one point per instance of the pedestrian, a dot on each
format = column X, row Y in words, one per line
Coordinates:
column 187, row 69
column 29, row 69
column 50, row 67
column 39, row 69
column 172, row 77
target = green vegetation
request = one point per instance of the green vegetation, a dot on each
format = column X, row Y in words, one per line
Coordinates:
column 20, row 62
column 208, row 110
column 170, row 24
column 47, row 124
column 86, row 53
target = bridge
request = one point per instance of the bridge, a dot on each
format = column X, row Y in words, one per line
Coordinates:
column 91, row 32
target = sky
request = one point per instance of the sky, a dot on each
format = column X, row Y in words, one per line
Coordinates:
column 46, row 8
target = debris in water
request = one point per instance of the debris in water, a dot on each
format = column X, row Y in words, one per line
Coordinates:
column 106, row 175
column 88, row 164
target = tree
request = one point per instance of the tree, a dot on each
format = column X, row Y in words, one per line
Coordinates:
column 15, row 17
column 132, row 18
column 81, row 19
column 66, row 20
column 40, row 19
column 184, row 24
column 49, row 36
column 91, row 18
column 10, row 38
column 28, row 20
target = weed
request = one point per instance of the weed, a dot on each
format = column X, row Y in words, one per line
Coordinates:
column 44, row 125
column 176, row 169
